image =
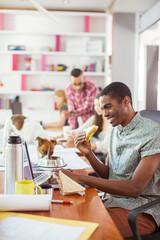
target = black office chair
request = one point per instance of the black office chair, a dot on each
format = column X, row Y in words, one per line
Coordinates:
column 133, row 214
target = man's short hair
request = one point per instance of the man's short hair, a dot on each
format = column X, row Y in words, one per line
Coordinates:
column 76, row 72
column 117, row 90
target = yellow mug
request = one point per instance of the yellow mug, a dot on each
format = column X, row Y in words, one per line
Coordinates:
column 26, row 187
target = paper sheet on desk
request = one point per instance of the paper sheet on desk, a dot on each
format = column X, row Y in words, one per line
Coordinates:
column 17, row 228
column 72, row 160
column 11, row 202
column 54, row 228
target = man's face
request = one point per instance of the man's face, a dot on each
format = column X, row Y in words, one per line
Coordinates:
column 114, row 111
column 77, row 83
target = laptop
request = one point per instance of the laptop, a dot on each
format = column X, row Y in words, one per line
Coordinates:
column 39, row 177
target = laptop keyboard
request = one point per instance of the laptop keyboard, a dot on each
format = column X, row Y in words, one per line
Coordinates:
column 41, row 178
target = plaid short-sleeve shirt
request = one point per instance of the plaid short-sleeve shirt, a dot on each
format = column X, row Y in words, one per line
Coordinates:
column 81, row 103
column 140, row 138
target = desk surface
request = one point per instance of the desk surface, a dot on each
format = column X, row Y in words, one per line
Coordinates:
column 85, row 208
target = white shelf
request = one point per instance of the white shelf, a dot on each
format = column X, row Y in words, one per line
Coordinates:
column 36, row 31
column 54, row 53
column 54, row 73
column 72, row 34
column 27, row 93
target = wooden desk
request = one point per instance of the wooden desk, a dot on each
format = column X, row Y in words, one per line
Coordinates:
column 85, row 208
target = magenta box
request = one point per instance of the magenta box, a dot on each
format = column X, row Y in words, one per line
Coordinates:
column 43, row 65
column 1, row 21
column 14, row 61
column 58, row 43
column 86, row 23
column 23, row 82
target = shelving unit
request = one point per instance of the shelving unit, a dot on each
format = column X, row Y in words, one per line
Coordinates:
column 78, row 39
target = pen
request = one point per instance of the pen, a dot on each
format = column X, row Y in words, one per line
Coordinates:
column 61, row 201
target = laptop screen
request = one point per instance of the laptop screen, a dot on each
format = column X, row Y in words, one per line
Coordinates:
column 40, row 177
column 27, row 167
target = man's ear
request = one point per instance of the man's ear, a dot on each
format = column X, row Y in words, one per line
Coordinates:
column 40, row 141
column 126, row 100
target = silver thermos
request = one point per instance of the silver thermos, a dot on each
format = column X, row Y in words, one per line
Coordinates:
column 14, row 163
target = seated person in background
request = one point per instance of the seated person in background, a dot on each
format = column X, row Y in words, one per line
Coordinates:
column 100, row 140
column 132, row 173
column 61, row 103
column 80, row 97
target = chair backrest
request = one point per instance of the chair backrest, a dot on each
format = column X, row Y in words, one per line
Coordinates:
column 151, row 114
column 16, row 108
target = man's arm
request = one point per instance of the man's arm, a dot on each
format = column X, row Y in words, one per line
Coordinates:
column 70, row 99
column 132, row 187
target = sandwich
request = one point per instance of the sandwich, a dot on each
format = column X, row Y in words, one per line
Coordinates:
column 68, row 186
column 90, row 132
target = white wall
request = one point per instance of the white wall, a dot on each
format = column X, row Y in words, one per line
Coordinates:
column 125, row 51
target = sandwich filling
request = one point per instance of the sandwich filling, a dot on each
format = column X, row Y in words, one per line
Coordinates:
column 90, row 132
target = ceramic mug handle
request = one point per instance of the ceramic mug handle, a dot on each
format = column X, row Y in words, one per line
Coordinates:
column 40, row 190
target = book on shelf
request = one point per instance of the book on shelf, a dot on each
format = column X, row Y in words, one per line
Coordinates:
column 92, row 67
column 5, row 103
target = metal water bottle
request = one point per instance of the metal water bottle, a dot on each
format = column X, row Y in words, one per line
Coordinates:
column 14, row 163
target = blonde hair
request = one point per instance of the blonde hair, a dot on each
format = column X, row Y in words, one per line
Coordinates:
column 61, row 93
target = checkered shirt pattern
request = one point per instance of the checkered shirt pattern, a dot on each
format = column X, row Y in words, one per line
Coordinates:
column 81, row 103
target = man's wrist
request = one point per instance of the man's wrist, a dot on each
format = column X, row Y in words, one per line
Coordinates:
column 89, row 154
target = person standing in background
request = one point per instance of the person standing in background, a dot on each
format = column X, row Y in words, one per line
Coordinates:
column 80, row 97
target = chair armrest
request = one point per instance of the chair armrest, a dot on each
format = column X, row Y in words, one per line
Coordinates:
column 133, row 214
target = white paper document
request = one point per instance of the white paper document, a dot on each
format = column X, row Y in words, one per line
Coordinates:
column 28, row 202
column 17, row 228
column 70, row 157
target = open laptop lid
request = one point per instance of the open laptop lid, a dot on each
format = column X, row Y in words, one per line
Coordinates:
column 27, row 167
column 28, row 172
